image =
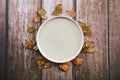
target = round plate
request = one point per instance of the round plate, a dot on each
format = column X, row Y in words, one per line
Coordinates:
column 60, row 39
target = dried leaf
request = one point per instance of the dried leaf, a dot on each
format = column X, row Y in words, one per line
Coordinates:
column 44, row 17
column 90, row 49
column 41, row 12
column 87, row 43
column 37, row 19
column 41, row 62
column 85, row 28
column 47, row 65
column 77, row 61
column 71, row 13
column 29, row 44
column 35, row 48
column 31, row 29
column 92, row 44
column 64, row 66
column 58, row 10
column 84, row 50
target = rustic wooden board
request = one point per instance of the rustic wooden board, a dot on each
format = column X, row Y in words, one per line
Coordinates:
column 21, row 61
column 95, row 65
column 114, row 33
column 54, row 73
column 2, row 39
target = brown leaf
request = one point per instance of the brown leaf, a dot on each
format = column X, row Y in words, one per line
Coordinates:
column 58, row 10
column 90, row 49
column 31, row 29
column 87, row 43
column 41, row 12
column 48, row 65
column 41, row 61
column 64, row 66
column 71, row 13
column 85, row 28
column 35, row 48
column 37, row 19
column 44, row 17
column 77, row 61
column 92, row 44
column 29, row 44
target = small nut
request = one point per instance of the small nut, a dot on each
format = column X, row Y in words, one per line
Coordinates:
column 64, row 66
column 77, row 61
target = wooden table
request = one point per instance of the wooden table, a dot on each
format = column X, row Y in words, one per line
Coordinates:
column 19, row 63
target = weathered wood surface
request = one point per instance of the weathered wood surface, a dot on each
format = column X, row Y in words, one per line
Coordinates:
column 94, row 13
column 114, row 33
column 22, row 62
column 2, row 39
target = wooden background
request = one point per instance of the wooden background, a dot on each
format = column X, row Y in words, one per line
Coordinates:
column 18, row 63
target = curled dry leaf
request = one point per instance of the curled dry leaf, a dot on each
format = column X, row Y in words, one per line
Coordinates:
column 58, row 10
column 37, row 19
column 29, row 44
column 31, row 29
column 47, row 65
column 85, row 28
column 35, row 48
column 41, row 62
column 77, row 61
column 44, row 17
column 41, row 12
column 92, row 44
column 64, row 66
column 88, row 47
column 71, row 13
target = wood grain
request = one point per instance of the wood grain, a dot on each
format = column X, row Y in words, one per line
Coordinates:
column 54, row 73
column 21, row 61
column 114, row 33
column 2, row 39
column 95, row 65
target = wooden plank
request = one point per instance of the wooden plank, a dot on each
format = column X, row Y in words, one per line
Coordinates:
column 95, row 65
column 2, row 39
column 114, row 33
column 54, row 73
column 21, row 61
